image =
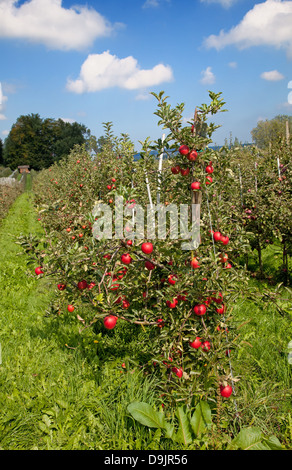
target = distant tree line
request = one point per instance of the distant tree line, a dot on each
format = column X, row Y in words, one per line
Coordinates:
column 271, row 131
column 39, row 142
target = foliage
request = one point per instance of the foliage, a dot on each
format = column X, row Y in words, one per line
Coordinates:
column 40, row 142
column 269, row 132
column 8, row 194
column 197, row 430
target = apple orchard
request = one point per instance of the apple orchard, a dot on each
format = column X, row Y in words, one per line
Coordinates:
column 182, row 299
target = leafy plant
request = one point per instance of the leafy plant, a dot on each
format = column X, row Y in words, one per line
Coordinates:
column 193, row 428
column 186, row 428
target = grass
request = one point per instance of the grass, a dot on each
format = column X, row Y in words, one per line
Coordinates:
column 62, row 390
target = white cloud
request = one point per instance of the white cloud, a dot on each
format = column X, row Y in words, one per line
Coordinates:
column 232, row 65
column 266, row 24
column 5, row 133
column 272, row 76
column 49, row 23
column 208, row 77
column 223, row 3
column 100, row 71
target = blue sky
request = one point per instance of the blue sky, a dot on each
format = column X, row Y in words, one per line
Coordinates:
column 99, row 60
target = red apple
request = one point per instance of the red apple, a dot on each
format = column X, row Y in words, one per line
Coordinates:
column 223, row 257
column 200, row 310
column 209, row 168
column 206, row 346
column 184, row 150
column 196, row 185
column 82, row 285
column 172, row 279
column 61, row 286
column 217, row 236
column 175, row 169
column 184, row 171
column 195, row 263
column 192, row 155
column 115, row 285
column 177, row 371
column 125, row 303
column 149, row 265
column 196, row 343
column 122, row 273
column 70, row 308
column 38, row 270
column 147, row 248
column 172, row 304
column 126, row 258
column 110, row 322
column 225, row 391
column 224, row 240
column 220, row 309
column 209, row 180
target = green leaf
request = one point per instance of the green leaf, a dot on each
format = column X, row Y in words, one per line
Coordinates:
column 201, row 419
column 183, row 434
column 273, row 443
column 254, row 439
column 146, row 415
column 169, row 431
